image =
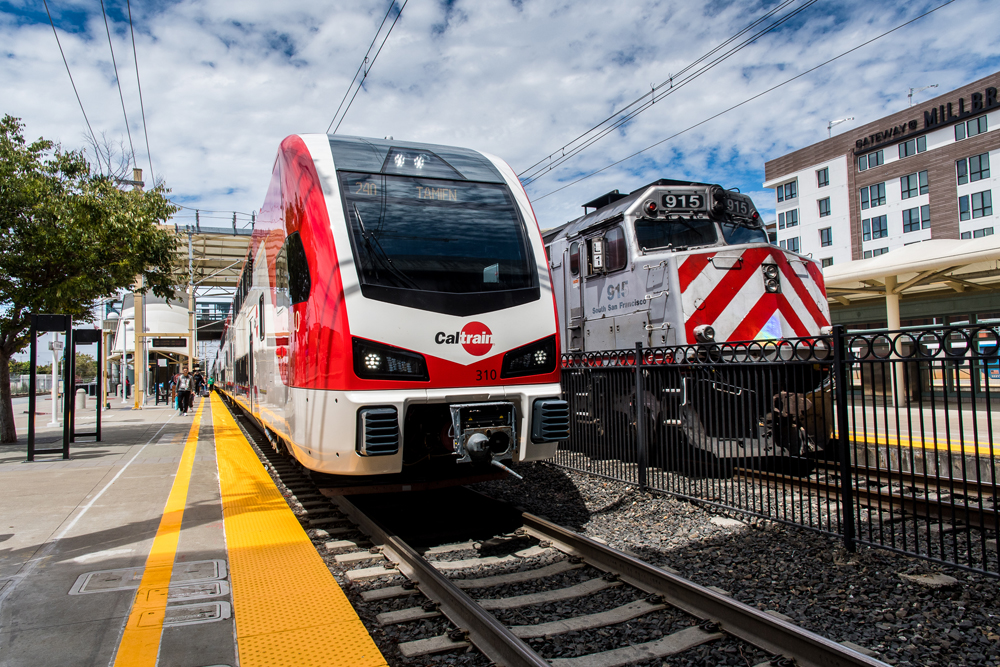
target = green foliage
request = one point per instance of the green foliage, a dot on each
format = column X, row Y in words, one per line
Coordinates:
column 69, row 236
column 86, row 366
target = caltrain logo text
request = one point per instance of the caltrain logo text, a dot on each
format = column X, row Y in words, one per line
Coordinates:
column 475, row 337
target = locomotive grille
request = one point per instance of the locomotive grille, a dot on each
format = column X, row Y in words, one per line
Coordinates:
column 378, row 431
column 550, row 420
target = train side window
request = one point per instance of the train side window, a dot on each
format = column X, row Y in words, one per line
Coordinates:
column 260, row 316
column 617, row 251
column 574, row 258
column 281, row 295
column 299, row 281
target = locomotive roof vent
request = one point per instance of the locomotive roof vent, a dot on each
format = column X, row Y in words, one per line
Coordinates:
column 604, row 200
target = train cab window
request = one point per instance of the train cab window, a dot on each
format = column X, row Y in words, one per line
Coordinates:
column 282, row 299
column 574, row 258
column 616, row 249
column 735, row 234
column 676, row 234
column 298, row 281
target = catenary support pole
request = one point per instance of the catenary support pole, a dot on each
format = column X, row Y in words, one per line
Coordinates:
column 841, row 372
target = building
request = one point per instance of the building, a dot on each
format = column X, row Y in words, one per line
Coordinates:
column 922, row 173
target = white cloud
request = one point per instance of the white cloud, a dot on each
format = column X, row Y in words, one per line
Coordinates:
column 224, row 82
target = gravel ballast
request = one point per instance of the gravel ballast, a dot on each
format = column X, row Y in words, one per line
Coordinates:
column 861, row 597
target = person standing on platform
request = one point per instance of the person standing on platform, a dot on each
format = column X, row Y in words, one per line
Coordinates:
column 184, row 383
column 199, row 382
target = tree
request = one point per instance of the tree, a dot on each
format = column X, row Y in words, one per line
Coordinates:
column 86, row 366
column 68, row 237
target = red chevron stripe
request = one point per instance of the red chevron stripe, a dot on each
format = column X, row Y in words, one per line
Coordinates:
column 792, row 318
column 692, row 268
column 800, row 288
column 817, row 275
column 726, row 290
column 756, row 318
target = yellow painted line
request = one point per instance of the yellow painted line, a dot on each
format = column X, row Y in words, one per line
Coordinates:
column 140, row 641
column 893, row 440
column 288, row 608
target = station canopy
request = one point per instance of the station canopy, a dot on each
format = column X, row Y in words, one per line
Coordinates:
column 938, row 268
column 217, row 256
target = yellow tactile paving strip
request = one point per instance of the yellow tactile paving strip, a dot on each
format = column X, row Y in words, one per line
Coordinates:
column 140, row 641
column 287, row 606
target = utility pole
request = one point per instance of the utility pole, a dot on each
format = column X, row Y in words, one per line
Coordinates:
column 139, row 321
column 191, row 320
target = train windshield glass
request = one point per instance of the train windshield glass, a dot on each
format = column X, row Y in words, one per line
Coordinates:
column 433, row 235
column 676, row 234
column 736, row 234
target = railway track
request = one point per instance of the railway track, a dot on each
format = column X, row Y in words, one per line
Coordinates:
column 440, row 582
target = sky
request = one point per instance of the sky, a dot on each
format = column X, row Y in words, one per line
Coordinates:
column 223, row 82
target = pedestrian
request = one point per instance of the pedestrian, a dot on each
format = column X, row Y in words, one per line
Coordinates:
column 184, row 392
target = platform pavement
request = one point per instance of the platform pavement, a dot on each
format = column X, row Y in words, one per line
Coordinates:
column 99, row 511
column 90, row 547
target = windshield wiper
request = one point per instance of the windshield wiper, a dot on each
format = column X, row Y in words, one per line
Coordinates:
column 380, row 256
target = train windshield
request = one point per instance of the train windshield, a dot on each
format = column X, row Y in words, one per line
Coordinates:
column 676, row 234
column 417, row 239
column 736, row 233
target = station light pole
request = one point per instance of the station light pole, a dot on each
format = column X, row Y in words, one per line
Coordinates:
column 917, row 90
column 56, row 345
column 832, row 123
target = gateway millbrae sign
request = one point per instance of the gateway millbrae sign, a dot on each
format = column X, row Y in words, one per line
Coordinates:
column 940, row 116
column 475, row 337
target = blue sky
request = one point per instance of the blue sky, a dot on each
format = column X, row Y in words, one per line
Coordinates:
column 224, row 82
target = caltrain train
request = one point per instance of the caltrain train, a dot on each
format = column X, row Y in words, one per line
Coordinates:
column 395, row 319
column 687, row 266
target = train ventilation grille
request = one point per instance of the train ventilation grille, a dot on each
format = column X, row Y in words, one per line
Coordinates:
column 550, row 420
column 378, row 431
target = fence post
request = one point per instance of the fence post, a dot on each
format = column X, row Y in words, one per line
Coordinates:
column 640, row 419
column 841, row 372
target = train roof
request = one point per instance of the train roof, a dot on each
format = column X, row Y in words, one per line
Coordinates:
column 371, row 156
column 611, row 205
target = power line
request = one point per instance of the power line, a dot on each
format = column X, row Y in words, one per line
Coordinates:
column 149, row 157
column 73, row 83
column 364, row 69
column 118, row 81
column 749, row 99
column 649, row 100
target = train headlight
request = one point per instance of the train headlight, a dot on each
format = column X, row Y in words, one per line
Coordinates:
column 771, row 271
column 375, row 361
column 704, row 333
column 718, row 199
column 534, row 359
column 772, row 285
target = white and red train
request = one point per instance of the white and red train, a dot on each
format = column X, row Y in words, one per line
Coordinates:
column 395, row 315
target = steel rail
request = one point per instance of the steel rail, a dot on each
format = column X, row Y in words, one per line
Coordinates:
column 736, row 618
column 489, row 635
column 973, row 516
column 920, row 480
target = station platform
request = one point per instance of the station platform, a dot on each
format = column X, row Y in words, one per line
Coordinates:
column 165, row 544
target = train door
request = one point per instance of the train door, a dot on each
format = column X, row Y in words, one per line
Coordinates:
column 251, row 389
column 573, row 286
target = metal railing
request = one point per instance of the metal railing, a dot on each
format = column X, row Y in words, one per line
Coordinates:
column 885, row 439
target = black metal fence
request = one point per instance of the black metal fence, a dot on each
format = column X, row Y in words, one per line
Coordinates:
column 885, row 439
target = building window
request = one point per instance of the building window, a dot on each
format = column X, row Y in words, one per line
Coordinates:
column 788, row 218
column 790, row 244
column 912, row 147
column 915, row 219
column 826, row 236
column 981, row 205
column 788, row 191
column 970, row 128
column 870, row 161
column 823, row 177
column 827, row 261
column 875, row 253
column 875, row 228
column 975, row 168
column 979, row 233
column 824, row 207
column 912, row 185
column 873, row 196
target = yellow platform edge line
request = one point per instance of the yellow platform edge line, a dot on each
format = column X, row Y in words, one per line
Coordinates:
column 928, row 443
column 140, row 642
column 288, row 608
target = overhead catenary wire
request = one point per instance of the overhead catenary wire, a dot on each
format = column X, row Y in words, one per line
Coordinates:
column 365, row 70
column 73, row 83
column 647, row 100
column 118, row 82
column 138, row 83
column 746, row 101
